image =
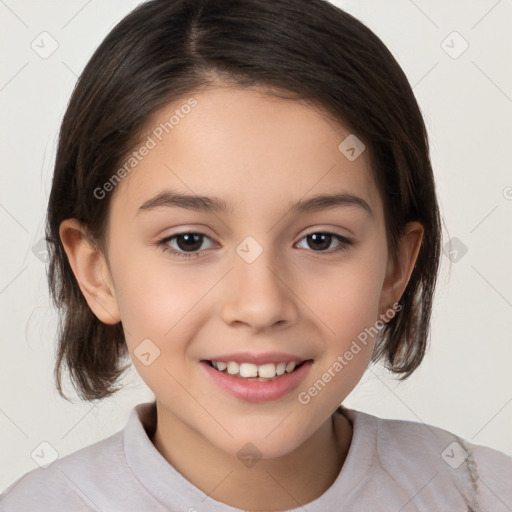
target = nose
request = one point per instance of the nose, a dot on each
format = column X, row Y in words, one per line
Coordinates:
column 259, row 294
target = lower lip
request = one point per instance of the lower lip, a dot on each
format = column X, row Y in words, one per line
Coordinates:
column 256, row 391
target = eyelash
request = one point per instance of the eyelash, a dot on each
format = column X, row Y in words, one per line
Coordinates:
column 344, row 245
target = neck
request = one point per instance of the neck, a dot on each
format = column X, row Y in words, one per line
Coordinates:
column 281, row 483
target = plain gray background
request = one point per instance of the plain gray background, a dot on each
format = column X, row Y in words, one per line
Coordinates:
column 464, row 384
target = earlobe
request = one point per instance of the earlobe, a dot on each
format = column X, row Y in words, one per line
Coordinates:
column 398, row 275
column 91, row 271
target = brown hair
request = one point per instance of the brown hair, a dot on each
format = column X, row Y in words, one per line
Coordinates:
column 166, row 49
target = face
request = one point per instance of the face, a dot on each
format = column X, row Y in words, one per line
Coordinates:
column 257, row 276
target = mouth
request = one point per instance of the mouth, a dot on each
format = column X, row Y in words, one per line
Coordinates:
column 270, row 382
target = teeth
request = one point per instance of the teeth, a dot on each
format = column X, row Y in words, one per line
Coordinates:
column 290, row 366
column 265, row 371
column 221, row 366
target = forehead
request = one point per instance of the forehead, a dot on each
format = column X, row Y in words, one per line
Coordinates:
column 253, row 150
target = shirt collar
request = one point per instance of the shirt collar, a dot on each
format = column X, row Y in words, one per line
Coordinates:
column 174, row 491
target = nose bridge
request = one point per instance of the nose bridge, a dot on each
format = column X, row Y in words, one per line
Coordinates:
column 259, row 295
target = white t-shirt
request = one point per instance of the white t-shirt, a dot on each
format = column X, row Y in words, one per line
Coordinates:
column 392, row 465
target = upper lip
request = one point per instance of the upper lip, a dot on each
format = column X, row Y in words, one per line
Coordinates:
column 258, row 359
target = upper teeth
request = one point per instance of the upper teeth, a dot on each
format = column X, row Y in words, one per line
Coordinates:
column 267, row 371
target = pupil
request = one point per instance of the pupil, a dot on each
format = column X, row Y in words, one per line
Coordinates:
column 194, row 237
column 324, row 236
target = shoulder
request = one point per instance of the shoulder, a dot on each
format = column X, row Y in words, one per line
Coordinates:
column 495, row 477
column 65, row 483
column 416, row 454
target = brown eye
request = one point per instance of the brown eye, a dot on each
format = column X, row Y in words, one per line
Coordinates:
column 321, row 241
column 186, row 244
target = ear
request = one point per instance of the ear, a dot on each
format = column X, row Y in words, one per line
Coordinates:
column 91, row 271
column 398, row 275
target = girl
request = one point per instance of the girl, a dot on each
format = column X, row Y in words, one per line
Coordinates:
column 243, row 206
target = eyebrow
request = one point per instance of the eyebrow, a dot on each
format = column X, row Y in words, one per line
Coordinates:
column 170, row 198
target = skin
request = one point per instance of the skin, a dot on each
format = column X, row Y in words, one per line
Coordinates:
column 259, row 153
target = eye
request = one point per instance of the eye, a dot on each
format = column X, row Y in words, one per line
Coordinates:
column 187, row 244
column 322, row 240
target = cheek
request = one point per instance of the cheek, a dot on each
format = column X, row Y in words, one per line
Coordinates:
column 347, row 306
column 154, row 308
column 164, row 303
column 346, row 296
column 151, row 299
